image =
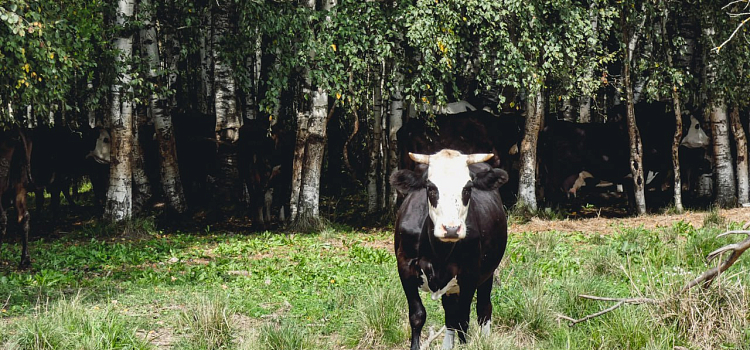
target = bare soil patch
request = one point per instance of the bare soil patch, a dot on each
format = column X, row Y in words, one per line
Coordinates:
column 606, row 225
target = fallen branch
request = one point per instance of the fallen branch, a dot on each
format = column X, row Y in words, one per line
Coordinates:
column 620, row 301
column 706, row 278
column 431, row 338
column 737, row 249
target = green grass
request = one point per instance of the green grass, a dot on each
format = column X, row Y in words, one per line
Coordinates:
column 134, row 287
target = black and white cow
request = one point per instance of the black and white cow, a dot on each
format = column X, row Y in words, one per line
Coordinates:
column 450, row 235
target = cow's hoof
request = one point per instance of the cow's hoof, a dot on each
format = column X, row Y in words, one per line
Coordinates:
column 485, row 331
column 450, row 334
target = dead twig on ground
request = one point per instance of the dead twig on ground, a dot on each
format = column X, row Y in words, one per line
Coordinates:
column 620, row 301
column 705, row 278
column 431, row 338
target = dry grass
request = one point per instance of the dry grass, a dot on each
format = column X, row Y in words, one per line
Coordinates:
column 649, row 222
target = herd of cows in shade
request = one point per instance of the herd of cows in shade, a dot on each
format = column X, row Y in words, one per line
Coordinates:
column 573, row 158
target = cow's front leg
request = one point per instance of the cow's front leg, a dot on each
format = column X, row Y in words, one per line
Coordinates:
column 457, row 308
column 417, row 313
column 484, row 307
column 23, row 219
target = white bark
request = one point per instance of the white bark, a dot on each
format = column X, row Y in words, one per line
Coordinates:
column 119, row 194
column 743, row 190
column 527, row 172
column 584, row 105
column 169, row 169
column 206, row 102
column 141, row 183
column 677, row 139
column 723, row 169
column 311, row 140
column 636, row 147
column 375, row 142
column 228, row 118
column 395, row 122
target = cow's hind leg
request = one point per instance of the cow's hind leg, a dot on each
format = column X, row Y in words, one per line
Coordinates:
column 23, row 219
column 417, row 313
column 484, row 307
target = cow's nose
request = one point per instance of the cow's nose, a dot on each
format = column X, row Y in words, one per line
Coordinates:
column 451, row 231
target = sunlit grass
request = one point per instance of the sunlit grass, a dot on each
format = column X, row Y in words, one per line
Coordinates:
column 340, row 290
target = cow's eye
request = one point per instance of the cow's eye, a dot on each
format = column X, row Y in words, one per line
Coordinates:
column 466, row 194
column 432, row 194
column 106, row 140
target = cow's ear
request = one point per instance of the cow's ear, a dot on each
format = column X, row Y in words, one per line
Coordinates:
column 406, row 181
column 490, row 179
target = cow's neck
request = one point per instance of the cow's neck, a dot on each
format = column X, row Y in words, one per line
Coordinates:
column 441, row 251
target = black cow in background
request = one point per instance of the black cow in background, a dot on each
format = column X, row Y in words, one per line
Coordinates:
column 265, row 162
column 195, row 141
column 15, row 177
column 62, row 157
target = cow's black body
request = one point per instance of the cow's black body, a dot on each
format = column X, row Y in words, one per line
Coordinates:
column 15, row 177
column 265, row 163
column 471, row 260
column 59, row 161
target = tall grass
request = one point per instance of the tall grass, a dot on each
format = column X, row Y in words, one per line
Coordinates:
column 378, row 318
column 207, row 324
column 73, row 324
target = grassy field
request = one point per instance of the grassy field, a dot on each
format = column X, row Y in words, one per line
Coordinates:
column 97, row 289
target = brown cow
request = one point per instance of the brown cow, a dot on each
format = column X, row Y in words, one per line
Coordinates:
column 15, row 176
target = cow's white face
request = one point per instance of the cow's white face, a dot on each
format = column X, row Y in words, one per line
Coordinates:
column 449, row 190
column 101, row 151
column 696, row 137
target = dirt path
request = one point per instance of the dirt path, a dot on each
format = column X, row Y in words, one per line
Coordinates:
column 605, row 225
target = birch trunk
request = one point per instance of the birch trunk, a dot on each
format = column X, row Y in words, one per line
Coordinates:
column 677, row 139
column 395, row 121
column 743, row 191
column 228, row 117
column 584, row 106
column 375, row 142
column 168, row 169
column 141, row 183
column 205, row 101
column 527, row 172
column 309, row 151
column 723, row 168
column 636, row 147
column 676, row 148
column 119, row 204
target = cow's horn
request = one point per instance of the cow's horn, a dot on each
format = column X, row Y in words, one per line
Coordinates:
column 420, row 158
column 478, row 157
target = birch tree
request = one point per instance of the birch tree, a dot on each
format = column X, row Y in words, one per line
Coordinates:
column 168, row 166
column 310, row 147
column 632, row 25
column 119, row 205
column 228, row 116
